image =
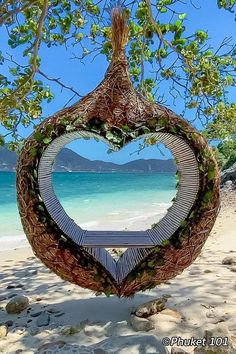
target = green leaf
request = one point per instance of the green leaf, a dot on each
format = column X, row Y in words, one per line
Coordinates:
column 151, row 141
column 49, row 128
column 79, row 36
column 5, row 90
column 163, row 53
column 125, row 128
column 108, row 292
column 97, row 277
column 2, row 140
column 211, row 172
column 151, row 263
column 201, row 35
column 69, row 128
column 178, row 24
column 229, row 80
column 163, row 10
column 207, row 197
column 33, row 152
column 182, row 16
column 183, row 223
column 160, row 261
column 40, row 208
column 47, row 140
column 180, row 41
column 38, row 136
column 211, row 175
column 165, row 243
column 192, row 215
column 109, row 135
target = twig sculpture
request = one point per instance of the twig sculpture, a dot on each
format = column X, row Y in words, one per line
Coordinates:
column 116, row 113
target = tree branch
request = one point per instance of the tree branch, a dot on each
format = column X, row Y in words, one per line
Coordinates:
column 38, row 36
column 11, row 13
column 159, row 33
column 59, row 83
column 35, row 47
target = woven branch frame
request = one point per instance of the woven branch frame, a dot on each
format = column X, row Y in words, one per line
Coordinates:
column 119, row 114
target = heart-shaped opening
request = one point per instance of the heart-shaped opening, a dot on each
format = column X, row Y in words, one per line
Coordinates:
column 96, row 241
column 129, row 189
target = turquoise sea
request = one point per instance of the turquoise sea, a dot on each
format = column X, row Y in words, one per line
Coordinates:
column 97, row 200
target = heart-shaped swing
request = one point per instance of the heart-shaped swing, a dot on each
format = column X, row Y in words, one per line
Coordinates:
column 116, row 113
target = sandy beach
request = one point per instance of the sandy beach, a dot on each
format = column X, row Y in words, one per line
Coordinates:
column 64, row 318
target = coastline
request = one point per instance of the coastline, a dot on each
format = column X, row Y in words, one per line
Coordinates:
column 203, row 295
column 112, row 221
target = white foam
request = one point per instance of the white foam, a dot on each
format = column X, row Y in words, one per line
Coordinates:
column 86, row 225
column 11, row 242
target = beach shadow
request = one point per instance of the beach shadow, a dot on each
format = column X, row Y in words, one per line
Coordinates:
column 45, row 289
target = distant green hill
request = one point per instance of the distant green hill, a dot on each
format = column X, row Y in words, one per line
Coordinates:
column 68, row 160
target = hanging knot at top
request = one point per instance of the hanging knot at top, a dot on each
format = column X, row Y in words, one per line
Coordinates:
column 119, row 29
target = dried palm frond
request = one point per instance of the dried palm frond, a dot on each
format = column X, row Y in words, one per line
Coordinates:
column 119, row 30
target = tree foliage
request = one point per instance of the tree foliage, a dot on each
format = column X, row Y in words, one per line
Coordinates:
column 159, row 39
column 224, row 122
column 226, row 153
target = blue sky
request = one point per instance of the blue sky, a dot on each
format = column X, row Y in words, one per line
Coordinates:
column 57, row 62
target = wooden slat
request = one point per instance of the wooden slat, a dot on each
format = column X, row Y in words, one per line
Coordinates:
column 122, row 239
